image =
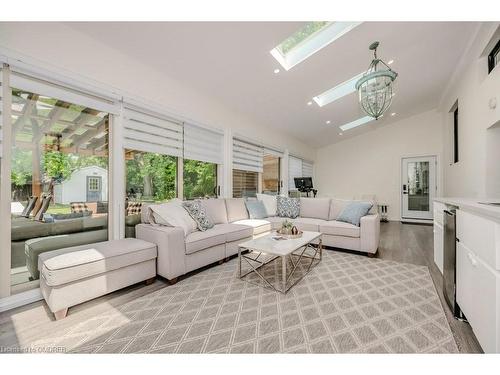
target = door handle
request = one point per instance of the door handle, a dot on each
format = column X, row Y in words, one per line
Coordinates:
column 404, row 189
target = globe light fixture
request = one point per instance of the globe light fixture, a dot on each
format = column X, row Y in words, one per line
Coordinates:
column 375, row 86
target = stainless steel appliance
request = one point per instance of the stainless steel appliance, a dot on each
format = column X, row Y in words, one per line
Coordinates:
column 449, row 266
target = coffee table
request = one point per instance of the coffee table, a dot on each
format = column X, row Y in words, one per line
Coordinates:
column 291, row 253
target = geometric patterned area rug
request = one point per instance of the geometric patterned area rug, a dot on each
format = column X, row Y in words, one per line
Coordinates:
column 346, row 304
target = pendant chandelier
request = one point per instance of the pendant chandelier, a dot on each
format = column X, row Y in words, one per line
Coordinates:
column 375, row 86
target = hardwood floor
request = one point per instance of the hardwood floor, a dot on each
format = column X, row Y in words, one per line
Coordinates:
column 399, row 242
column 412, row 243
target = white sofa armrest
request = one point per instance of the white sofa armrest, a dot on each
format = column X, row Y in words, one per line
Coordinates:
column 370, row 233
column 171, row 260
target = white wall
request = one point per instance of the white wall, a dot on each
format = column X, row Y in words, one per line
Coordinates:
column 61, row 46
column 74, row 189
column 476, row 174
column 371, row 163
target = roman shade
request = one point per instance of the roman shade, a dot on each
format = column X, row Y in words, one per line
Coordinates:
column 294, row 170
column 203, row 144
column 307, row 168
column 148, row 131
column 273, row 152
column 247, row 156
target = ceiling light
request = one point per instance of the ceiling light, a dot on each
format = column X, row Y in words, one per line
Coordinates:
column 309, row 103
column 276, row 71
column 308, row 40
column 355, row 123
column 390, row 62
column 393, row 114
column 328, row 121
column 375, row 87
column 337, row 92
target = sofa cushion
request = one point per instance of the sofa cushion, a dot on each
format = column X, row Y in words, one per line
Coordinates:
column 172, row 214
column 216, row 210
column 236, row 209
column 259, row 226
column 234, row 232
column 336, row 207
column 308, row 224
column 269, row 202
column 197, row 241
column 197, row 212
column 275, row 221
column 317, row 208
column 354, row 211
column 256, row 209
column 74, row 263
column 339, row 228
column 288, row 207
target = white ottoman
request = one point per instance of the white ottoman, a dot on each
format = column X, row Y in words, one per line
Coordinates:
column 77, row 274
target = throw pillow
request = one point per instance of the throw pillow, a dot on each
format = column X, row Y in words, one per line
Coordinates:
column 256, row 209
column 269, row 202
column 288, row 207
column 172, row 214
column 196, row 210
column 353, row 212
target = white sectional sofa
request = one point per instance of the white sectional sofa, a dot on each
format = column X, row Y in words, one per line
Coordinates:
column 179, row 254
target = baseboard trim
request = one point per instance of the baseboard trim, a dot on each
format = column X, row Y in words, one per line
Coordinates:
column 20, row 299
column 417, row 221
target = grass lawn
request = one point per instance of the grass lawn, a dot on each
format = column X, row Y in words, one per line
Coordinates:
column 59, row 209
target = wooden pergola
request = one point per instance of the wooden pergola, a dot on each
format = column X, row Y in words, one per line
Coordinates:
column 44, row 124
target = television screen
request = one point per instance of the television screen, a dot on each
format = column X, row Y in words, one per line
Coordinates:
column 303, row 183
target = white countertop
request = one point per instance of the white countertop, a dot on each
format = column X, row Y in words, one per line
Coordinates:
column 473, row 205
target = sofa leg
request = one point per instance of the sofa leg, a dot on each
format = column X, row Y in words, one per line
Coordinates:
column 221, row 261
column 371, row 255
column 150, row 281
column 61, row 314
column 172, row 281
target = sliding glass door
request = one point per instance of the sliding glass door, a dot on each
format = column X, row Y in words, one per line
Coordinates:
column 59, row 179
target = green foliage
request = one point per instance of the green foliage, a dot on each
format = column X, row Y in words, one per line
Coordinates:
column 56, row 165
column 300, row 35
column 21, row 167
column 200, row 179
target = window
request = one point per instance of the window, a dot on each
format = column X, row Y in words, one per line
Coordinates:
column 308, row 40
column 59, row 178
column 245, row 183
column 494, row 57
column 455, row 135
column 200, row 179
column 271, row 175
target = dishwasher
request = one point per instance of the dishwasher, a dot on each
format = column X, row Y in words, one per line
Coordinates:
column 449, row 262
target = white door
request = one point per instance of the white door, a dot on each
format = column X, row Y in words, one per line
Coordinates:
column 418, row 187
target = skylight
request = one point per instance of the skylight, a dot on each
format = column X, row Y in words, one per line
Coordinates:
column 337, row 92
column 309, row 40
column 355, row 123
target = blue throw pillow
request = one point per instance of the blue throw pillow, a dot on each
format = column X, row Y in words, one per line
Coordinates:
column 354, row 211
column 256, row 209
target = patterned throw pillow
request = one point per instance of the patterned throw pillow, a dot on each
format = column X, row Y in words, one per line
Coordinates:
column 79, row 207
column 134, row 208
column 288, row 207
column 196, row 210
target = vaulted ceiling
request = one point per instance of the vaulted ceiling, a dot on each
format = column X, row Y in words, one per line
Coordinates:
column 231, row 62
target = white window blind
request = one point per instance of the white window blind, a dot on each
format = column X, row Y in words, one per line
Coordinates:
column 307, row 168
column 294, row 170
column 247, row 156
column 1, row 112
column 203, row 144
column 151, row 132
column 273, row 152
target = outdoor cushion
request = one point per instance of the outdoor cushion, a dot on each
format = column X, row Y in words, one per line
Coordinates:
column 259, row 226
column 308, row 224
column 317, row 208
column 236, row 209
column 74, row 263
column 197, row 241
column 339, row 228
column 197, row 212
column 354, row 211
column 256, row 209
column 216, row 210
